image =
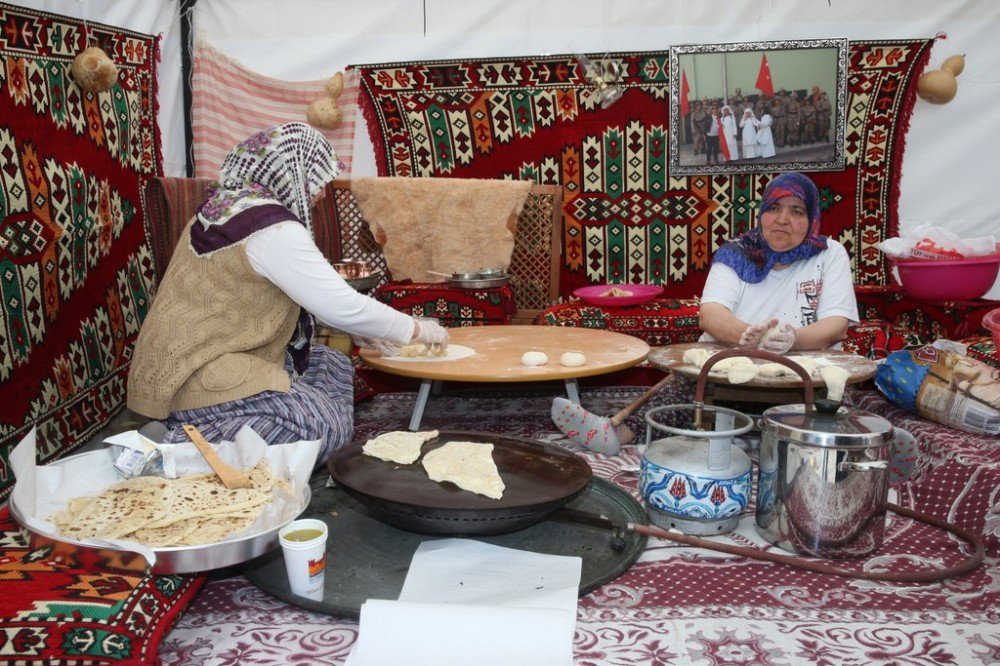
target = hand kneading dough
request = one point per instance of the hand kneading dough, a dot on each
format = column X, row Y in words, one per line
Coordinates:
column 469, row 465
column 399, row 446
column 836, row 380
column 573, row 359
column 534, row 358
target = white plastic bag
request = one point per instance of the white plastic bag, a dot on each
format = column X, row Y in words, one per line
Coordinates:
column 926, row 241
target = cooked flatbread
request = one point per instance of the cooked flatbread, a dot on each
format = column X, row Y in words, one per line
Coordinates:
column 120, row 509
column 469, row 465
column 616, row 292
column 192, row 510
column 398, row 446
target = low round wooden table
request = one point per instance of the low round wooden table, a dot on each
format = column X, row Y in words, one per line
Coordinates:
column 777, row 390
column 497, row 358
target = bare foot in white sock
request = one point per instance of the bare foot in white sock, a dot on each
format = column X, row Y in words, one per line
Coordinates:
column 586, row 429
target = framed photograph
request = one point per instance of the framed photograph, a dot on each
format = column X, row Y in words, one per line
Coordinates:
column 758, row 106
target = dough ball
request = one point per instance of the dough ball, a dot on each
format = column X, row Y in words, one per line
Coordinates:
column 696, row 356
column 534, row 358
column 572, row 359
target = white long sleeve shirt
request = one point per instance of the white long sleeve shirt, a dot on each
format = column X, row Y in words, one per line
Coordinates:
column 286, row 254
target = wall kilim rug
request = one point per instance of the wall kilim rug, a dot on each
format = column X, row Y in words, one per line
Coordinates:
column 75, row 267
column 625, row 219
column 55, row 613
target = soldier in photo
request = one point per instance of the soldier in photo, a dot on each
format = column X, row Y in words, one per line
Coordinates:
column 793, row 121
column 699, row 124
column 824, row 118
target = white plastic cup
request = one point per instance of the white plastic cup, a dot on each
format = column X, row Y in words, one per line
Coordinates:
column 305, row 558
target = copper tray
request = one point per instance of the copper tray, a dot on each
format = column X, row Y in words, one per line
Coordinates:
column 539, row 479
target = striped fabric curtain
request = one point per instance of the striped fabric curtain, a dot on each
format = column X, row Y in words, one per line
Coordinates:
column 229, row 103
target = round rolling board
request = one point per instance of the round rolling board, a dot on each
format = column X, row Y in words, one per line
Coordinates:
column 498, row 350
column 368, row 559
column 671, row 357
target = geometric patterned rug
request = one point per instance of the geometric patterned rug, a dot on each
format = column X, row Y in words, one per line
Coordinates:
column 53, row 613
column 625, row 217
column 75, row 267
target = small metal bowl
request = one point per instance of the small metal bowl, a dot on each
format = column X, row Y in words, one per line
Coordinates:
column 365, row 283
column 351, row 269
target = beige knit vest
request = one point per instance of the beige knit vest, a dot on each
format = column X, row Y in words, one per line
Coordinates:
column 217, row 331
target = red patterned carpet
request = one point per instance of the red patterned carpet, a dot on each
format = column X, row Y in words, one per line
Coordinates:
column 680, row 605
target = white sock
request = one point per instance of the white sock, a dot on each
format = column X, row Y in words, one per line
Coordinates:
column 586, row 429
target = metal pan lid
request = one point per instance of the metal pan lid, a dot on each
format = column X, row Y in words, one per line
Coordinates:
column 848, row 427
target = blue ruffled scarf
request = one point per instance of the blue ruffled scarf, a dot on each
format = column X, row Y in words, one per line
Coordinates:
column 750, row 255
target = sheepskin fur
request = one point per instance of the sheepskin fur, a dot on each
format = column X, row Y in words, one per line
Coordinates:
column 446, row 225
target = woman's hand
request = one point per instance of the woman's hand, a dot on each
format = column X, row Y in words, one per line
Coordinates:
column 430, row 332
column 769, row 336
column 385, row 347
column 754, row 333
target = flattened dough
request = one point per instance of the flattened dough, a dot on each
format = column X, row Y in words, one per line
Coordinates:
column 398, row 446
column 469, row 465
column 423, row 350
column 836, row 379
column 774, row 370
column 696, row 356
column 808, row 364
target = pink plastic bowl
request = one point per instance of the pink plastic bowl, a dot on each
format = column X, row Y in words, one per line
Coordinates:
column 948, row 280
column 992, row 322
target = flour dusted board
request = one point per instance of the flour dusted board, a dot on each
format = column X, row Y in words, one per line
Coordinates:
column 671, row 358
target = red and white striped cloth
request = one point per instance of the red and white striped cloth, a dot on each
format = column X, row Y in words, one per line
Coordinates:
column 230, row 103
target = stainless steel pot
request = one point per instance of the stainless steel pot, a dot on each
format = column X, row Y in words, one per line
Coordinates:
column 823, row 483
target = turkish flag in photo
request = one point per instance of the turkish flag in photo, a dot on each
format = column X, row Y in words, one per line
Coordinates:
column 685, row 91
column 764, row 82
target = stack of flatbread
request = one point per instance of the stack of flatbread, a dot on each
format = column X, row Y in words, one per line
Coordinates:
column 189, row 511
column 469, row 465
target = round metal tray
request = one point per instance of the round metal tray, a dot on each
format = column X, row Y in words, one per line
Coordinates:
column 368, row 559
column 479, row 283
column 173, row 560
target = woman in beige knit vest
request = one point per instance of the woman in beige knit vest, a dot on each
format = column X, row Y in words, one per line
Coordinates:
column 227, row 340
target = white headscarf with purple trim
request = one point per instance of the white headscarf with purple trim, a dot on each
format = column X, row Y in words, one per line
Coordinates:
column 287, row 165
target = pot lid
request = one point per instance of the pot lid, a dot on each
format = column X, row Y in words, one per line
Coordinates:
column 847, row 426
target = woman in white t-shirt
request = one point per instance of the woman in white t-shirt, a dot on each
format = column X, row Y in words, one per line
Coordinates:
column 781, row 277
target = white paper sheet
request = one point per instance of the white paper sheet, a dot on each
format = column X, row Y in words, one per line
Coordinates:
column 468, row 602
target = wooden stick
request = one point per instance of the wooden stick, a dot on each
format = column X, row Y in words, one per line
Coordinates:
column 231, row 477
column 638, row 402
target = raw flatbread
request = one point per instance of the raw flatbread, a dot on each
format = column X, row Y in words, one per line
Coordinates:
column 398, row 446
column 411, row 351
column 469, row 465
column 836, row 379
column 727, row 364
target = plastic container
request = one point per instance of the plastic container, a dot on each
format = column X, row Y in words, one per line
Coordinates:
column 948, row 280
column 992, row 323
